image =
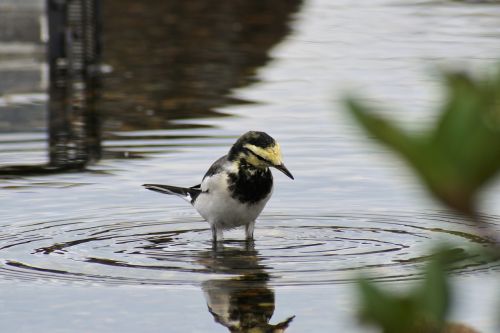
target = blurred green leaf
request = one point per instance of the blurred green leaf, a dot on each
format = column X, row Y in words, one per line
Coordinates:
column 390, row 312
column 434, row 296
column 456, row 157
column 422, row 309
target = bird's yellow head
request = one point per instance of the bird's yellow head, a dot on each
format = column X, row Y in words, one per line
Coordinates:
column 259, row 150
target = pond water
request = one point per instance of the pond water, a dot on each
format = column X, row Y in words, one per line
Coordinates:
column 94, row 251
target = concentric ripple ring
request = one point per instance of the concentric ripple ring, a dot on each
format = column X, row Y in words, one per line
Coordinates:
column 145, row 248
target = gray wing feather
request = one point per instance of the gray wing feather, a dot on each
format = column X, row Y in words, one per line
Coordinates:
column 216, row 167
column 188, row 193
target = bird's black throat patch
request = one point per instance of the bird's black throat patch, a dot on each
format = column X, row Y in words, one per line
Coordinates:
column 250, row 184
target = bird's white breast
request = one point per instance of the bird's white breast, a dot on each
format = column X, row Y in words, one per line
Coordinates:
column 219, row 208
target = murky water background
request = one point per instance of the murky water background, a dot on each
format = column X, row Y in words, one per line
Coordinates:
column 95, row 252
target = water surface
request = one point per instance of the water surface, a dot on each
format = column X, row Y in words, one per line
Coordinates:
column 106, row 255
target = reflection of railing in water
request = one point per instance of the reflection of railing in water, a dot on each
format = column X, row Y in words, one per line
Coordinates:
column 73, row 56
column 74, row 52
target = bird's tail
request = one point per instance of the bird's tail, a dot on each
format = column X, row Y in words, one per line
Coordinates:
column 187, row 193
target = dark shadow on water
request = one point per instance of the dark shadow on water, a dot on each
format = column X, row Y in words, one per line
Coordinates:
column 244, row 303
column 181, row 59
column 161, row 61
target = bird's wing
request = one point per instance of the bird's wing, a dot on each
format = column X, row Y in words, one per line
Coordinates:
column 212, row 178
column 216, row 167
column 190, row 193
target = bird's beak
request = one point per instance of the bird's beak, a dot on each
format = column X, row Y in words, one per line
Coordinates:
column 283, row 169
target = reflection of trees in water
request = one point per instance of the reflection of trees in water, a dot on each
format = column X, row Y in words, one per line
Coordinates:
column 170, row 59
column 244, row 303
column 180, row 59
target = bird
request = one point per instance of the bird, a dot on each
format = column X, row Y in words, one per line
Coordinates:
column 236, row 187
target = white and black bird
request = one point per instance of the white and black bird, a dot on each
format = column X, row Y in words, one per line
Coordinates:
column 236, row 187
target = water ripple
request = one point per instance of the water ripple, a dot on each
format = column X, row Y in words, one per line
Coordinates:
column 142, row 249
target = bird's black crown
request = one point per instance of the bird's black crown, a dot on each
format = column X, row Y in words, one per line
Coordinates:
column 258, row 139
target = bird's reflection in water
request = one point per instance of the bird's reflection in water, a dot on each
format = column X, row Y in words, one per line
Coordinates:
column 245, row 303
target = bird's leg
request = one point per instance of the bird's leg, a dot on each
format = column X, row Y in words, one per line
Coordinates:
column 217, row 235
column 249, row 231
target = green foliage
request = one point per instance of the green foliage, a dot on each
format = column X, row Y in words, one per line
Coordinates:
column 455, row 159
column 461, row 153
column 422, row 309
